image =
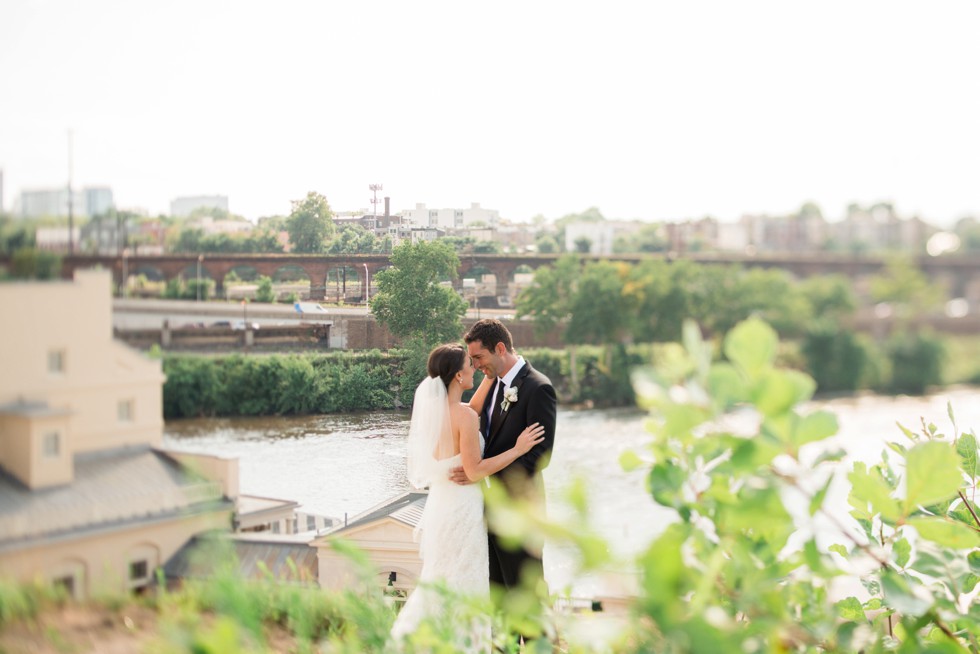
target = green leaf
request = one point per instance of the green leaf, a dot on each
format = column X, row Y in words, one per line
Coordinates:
column 751, row 346
column 815, row 427
column 932, row 474
column 966, row 447
column 946, row 532
column 725, row 385
column 898, row 595
column 911, row 435
column 970, row 582
column 850, row 609
column 630, row 461
column 817, row 500
column 839, row 549
column 777, row 391
column 664, row 482
column 902, row 551
column 868, row 487
column 973, row 558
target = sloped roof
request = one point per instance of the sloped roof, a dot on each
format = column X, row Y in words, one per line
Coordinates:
column 406, row 508
column 110, row 489
column 292, row 561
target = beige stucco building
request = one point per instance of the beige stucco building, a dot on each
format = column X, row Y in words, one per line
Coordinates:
column 87, row 498
column 385, row 534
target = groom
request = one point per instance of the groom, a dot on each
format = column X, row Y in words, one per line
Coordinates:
column 521, row 397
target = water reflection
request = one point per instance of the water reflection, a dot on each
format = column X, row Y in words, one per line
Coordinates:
column 345, row 464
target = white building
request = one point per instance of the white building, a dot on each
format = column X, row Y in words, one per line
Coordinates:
column 88, row 201
column 183, row 206
column 474, row 216
column 601, row 235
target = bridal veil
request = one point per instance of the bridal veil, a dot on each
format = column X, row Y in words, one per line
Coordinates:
column 430, row 436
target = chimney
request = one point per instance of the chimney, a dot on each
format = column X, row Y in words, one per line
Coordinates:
column 387, row 206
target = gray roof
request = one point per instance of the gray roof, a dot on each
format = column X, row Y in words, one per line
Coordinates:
column 200, row 556
column 29, row 409
column 111, row 489
column 406, row 508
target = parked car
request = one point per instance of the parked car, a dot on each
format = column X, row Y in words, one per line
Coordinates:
column 240, row 325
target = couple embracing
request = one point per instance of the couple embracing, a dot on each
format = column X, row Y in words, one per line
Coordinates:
column 503, row 435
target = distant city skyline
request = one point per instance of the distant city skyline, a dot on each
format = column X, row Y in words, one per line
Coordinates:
column 657, row 112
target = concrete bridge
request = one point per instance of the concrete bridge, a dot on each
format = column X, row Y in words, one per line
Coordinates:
column 352, row 274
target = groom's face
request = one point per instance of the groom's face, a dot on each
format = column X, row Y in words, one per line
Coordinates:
column 486, row 361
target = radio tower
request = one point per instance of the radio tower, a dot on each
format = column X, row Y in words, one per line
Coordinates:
column 374, row 201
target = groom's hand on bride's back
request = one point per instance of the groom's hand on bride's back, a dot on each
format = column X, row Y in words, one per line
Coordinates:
column 458, row 475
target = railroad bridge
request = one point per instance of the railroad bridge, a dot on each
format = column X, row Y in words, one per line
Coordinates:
column 958, row 274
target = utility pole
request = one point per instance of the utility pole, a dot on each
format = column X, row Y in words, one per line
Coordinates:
column 71, row 217
column 374, row 201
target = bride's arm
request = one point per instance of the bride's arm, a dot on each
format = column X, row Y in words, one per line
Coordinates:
column 474, row 465
column 480, row 395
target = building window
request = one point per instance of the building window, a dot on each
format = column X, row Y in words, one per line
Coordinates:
column 56, row 361
column 124, row 410
column 275, row 527
column 51, row 445
column 139, row 570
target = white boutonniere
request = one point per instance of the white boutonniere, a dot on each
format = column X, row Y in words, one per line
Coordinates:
column 510, row 396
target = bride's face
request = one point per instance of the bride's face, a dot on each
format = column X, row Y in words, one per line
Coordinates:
column 466, row 374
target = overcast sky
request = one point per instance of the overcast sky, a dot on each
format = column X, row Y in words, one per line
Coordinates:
column 651, row 110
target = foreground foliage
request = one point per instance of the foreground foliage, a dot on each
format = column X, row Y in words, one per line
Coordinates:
column 759, row 554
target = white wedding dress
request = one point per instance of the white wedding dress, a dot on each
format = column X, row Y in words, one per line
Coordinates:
column 453, row 547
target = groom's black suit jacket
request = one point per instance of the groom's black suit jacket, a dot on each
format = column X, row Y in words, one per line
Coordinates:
column 536, row 402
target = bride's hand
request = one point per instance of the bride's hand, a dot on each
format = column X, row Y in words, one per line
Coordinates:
column 531, row 436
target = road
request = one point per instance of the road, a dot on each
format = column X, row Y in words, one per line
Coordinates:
column 150, row 314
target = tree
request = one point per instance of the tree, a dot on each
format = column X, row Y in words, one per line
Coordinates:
column 547, row 301
column 409, row 298
column 354, row 239
column 583, row 245
column 600, row 311
column 310, row 225
column 264, row 291
column 650, row 238
column 902, row 284
column 546, row 244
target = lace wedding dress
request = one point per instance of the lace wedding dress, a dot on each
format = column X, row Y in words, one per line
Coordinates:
column 453, row 547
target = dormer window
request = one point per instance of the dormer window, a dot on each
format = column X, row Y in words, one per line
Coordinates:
column 56, row 362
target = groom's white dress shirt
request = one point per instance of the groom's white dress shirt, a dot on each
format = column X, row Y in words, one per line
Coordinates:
column 507, row 379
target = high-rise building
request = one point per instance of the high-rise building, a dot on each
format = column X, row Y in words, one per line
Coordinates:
column 88, row 201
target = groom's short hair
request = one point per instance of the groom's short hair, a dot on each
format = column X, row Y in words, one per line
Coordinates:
column 490, row 331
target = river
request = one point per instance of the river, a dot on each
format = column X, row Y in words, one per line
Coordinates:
column 344, row 464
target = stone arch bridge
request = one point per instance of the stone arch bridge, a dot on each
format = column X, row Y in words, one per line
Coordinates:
column 959, row 275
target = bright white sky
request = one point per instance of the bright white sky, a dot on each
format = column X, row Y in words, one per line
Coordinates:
column 652, row 110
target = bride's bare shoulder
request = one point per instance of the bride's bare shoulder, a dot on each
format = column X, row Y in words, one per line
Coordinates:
column 464, row 411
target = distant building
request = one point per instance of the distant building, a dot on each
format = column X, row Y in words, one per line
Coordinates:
column 450, row 219
column 88, row 499
column 88, row 201
column 601, row 235
column 55, row 239
column 211, row 226
column 385, row 534
column 183, row 206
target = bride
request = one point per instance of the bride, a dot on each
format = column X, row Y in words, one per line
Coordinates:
column 445, row 433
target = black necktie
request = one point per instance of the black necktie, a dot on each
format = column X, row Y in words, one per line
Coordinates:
column 495, row 411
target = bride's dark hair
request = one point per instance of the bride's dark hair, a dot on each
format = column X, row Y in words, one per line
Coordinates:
column 445, row 361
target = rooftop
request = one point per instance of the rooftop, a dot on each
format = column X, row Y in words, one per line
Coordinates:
column 111, row 488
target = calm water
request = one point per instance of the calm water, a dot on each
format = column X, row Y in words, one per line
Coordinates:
column 340, row 464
